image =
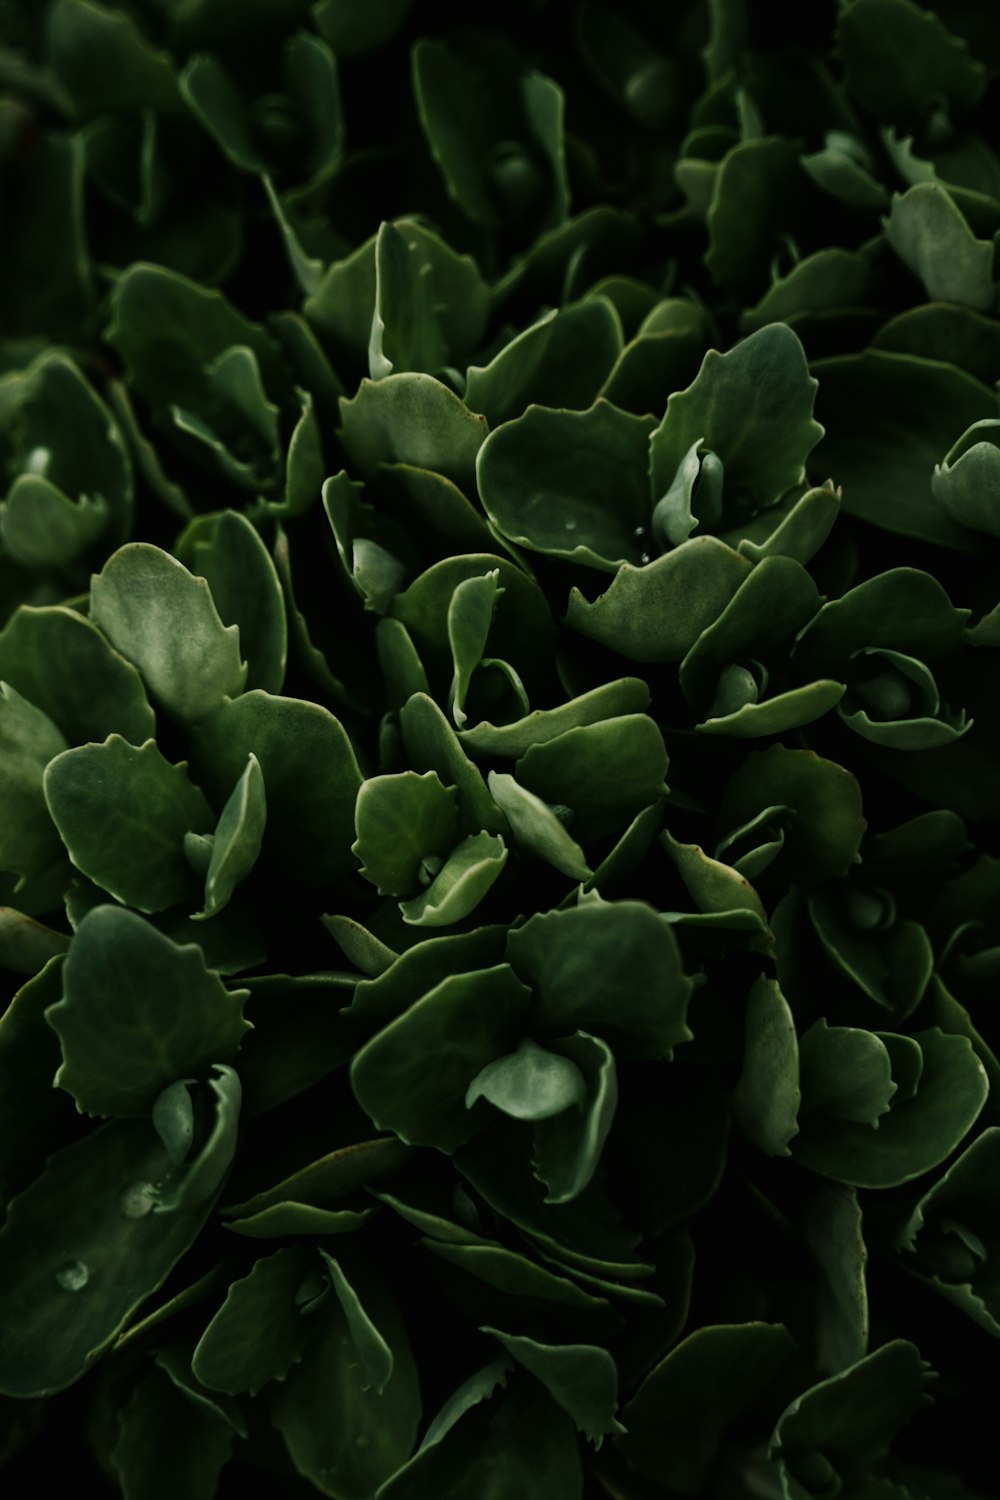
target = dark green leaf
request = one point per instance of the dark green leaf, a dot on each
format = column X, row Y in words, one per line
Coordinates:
column 137, row 1013
column 123, row 812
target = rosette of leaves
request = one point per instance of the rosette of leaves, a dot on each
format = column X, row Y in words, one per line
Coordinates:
column 463, row 1034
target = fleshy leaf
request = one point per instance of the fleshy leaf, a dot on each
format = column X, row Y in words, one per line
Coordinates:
column 123, row 812
column 138, row 1012
column 163, row 618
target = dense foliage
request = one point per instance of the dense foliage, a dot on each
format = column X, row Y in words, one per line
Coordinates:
column 499, row 749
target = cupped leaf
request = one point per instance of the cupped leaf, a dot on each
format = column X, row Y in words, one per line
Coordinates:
column 529, row 1084
column 568, row 1145
column 823, row 839
column 123, row 812
column 460, row 884
column 412, row 1077
column 753, row 408
column 570, row 484
column 164, row 620
column 918, row 1132
column 137, row 1013
column 611, row 968
column 405, row 825
column 897, row 55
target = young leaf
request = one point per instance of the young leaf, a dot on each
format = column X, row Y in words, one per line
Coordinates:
column 237, row 839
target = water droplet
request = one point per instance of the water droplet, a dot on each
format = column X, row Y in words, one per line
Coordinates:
column 72, row 1276
column 640, row 534
column 37, row 461
column 138, row 1200
column 570, row 525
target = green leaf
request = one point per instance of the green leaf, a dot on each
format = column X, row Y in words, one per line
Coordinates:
column 767, row 1097
column 801, row 531
column 902, row 609
column 468, row 873
column 104, row 62
column 897, row 56
column 568, row 1146
column 309, row 769
column 94, row 1236
column 344, row 1436
column 342, row 305
column 605, row 772
column 517, row 1276
column 405, row 825
column 536, row 828
column 930, row 236
column 529, row 1084
column 827, row 281
column 832, row 1228
column 351, row 32
column 431, row 744
column 337, row 1175
column 431, row 305
column 656, row 613
column 570, row 484
column 163, row 618
column 29, row 740
column 25, row 944
column 375, row 1355
column 967, row 478
column 63, row 665
column 42, row 528
column 852, row 1418
column 678, row 1419
column 715, row 887
column 168, row 1444
column 823, row 839
column 751, row 192
column 387, row 995
column 494, row 130
column 168, row 328
column 888, row 419
column 258, row 1333
column 581, row 1378
column 237, row 838
column 33, row 1115
column 229, row 554
column 470, row 615
column 845, row 1073
column 628, row 695
column 611, row 968
column 413, row 1076
column 753, row 408
column 519, row 1447
column 917, row 1134
column 298, row 1219
column 948, row 1240
column 412, row 419
column 137, row 1013
column 123, row 812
